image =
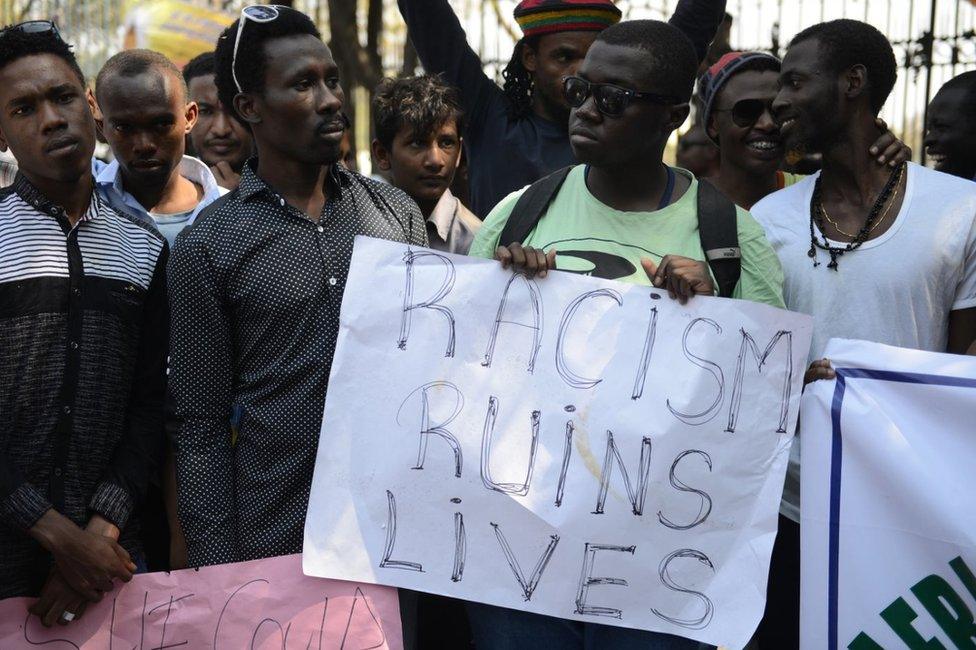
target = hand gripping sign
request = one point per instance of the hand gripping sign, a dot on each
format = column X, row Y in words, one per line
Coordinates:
column 569, row 446
column 889, row 501
column 260, row 605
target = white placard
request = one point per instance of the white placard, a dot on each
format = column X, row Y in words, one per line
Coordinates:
column 570, row 446
column 889, row 501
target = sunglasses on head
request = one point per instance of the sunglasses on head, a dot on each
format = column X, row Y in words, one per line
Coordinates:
column 610, row 100
column 258, row 14
column 747, row 112
column 34, row 27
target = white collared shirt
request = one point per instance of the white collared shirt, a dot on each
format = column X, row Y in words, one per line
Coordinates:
column 451, row 227
column 108, row 180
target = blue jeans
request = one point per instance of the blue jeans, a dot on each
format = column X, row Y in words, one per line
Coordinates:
column 499, row 628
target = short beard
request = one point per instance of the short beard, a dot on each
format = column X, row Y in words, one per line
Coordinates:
column 826, row 131
column 331, row 157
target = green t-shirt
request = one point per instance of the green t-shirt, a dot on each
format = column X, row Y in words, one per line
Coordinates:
column 785, row 179
column 594, row 239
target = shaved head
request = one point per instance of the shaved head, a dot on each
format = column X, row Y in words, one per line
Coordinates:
column 130, row 64
column 143, row 112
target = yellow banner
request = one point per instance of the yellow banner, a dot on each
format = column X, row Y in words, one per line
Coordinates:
column 177, row 29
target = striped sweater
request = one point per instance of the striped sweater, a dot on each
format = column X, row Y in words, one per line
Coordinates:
column 83, row 343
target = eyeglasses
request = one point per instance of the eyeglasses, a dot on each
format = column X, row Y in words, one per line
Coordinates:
column 259, row 14
column 34, row 27
column 747, row 112
column 610, row 100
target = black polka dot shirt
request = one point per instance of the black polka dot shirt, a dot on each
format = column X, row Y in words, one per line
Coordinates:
column 255, row 291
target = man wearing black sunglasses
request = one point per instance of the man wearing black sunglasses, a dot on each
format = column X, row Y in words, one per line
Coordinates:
column 736, row 95
column 619, row 130
column 517, row 134
column 83, row 339
column 623, row 214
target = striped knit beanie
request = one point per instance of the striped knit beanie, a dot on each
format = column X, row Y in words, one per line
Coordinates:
column 710, row 83
column 549, row 16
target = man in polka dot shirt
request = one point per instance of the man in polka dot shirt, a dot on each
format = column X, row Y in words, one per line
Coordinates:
column 256, row 286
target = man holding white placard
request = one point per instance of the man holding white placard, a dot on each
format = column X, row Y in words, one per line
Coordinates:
column 623, row 214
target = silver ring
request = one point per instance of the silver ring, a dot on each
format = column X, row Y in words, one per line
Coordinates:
column 68, row 616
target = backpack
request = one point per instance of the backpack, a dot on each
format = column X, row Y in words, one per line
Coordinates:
column 716, row 225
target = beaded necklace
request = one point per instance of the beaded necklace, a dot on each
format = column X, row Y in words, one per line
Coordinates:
column 877, row 224
column 817, row 213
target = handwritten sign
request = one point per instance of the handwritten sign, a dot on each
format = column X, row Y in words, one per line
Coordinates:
column 570, row 446
column 264, row 605
column 889, row 517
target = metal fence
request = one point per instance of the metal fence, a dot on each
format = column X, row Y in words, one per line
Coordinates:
column 934, row 40
column 91, row 26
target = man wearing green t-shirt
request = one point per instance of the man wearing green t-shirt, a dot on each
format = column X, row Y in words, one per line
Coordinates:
column 623, row 214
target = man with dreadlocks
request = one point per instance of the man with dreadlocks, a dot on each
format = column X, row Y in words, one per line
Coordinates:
column 518, row 134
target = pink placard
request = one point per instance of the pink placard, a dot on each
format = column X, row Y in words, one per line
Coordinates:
column 262, row 604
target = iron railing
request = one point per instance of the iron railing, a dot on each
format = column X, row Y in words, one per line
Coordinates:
column 934, row 40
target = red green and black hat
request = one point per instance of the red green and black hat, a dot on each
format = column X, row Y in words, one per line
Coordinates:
column 548, row 16
column 715, row 78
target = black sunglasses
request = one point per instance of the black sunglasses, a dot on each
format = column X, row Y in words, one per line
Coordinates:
column 747, row 112
column 34, row 27
column 610, row 100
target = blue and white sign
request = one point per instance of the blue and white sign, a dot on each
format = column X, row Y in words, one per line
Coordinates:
column 888, row 501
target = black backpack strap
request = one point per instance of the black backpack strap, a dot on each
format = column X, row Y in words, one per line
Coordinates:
column 719, row 234
column 531, row 207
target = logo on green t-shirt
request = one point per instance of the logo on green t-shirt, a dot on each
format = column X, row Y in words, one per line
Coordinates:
column 587, row 260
